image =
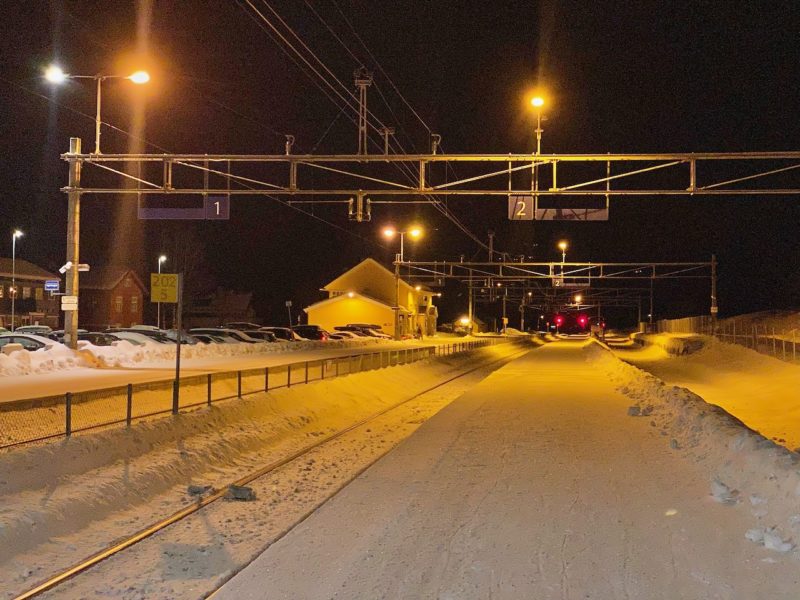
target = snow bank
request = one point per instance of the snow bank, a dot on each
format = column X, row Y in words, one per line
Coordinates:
column 672, row 343
column 125, row 354
column 56, row 488
column 745, row 469
column 54, row 358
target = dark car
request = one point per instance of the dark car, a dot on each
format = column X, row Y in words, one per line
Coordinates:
column 242, row 326
column 267, row 336
column 312, row 332
column 154, row 334
column 234, row 333
column 352, row 329
column 27, row 341
column 97, row 338
column 283, row 333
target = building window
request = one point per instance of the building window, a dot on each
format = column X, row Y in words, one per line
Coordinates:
column 2, row 288
column 127, row 283
column 134, row 305
column 26, row 293
column 118, row 304
column 39, row 293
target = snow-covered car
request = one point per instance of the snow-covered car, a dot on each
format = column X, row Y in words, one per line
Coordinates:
column 154, row 334
column 235, row 334
column 133, row 337
column 283, row 333
column 243, row 326
column 346, row 335
column 42, row 330
column 267, row 336
column 205, row 338
column 27, row 341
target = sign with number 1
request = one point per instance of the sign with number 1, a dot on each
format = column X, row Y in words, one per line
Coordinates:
column 218, row 208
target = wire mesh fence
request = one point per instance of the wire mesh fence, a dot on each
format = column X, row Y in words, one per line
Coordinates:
column 57, row 416
column 779, row 342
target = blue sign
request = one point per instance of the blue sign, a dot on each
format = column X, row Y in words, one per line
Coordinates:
column 215, row 208
column 52, row 285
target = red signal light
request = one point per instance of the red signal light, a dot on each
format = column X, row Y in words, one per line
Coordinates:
column 582, row 320
column 559, row 320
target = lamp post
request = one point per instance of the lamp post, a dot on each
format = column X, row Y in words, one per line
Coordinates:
column 562, row 245
column 55, row 74
column 17, row 234
column 161, row 260
column 389, row 233
column 537, row 102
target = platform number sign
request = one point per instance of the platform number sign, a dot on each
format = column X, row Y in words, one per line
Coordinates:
column 164, row 287
column 520, row 208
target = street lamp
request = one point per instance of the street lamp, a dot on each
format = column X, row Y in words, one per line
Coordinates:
column 538, row 102
column 55, row 74
column 415, row 232
column 578, row 299
column 161, row 260
column 562, row 245
column 17, row 234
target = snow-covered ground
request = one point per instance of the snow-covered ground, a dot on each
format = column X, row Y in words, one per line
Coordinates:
column 565, row 474
column 545, row 481
column 62, row 501
column 761, row 391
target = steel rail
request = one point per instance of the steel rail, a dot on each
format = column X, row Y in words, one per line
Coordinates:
column 179, row 515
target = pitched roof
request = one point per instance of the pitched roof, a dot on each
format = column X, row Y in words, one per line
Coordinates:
column 25, row 270
column 107, row 277
column 367, row 262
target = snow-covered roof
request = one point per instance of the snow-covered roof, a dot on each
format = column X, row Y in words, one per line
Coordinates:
column 107, row 277
column 25, row 270
column 335, row 285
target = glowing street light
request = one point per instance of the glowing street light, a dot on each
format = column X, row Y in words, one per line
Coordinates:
column 415, row 232
column 562, row 245
column 55, row 74
column 578, row 298
column 17, row 234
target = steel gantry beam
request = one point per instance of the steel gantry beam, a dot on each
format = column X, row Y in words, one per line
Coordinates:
column 680, row 174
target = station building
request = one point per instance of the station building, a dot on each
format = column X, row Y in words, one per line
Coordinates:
column 366, row 294
column 33, row 306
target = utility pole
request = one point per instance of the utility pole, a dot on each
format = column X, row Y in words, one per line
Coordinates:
column 491, row 245
column 470, row 311
column 714, row 307
column 363, row 80
column 398, row 258
column 386, row 132
column 73, row 242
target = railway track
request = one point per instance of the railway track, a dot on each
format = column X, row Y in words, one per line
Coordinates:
column 86, row 564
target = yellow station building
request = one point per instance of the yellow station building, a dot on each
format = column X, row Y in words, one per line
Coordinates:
column 366, row 294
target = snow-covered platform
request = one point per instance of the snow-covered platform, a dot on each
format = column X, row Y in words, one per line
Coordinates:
column 535, row 484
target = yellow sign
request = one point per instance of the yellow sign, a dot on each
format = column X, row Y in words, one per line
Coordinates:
column 164, row 287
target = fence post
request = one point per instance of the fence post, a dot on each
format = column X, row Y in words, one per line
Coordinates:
column 755, row 338
column 129, row 411
column 794, row 345
column 289, row 375
column 774, row 345
column 266, row 379
column 68, row 423
column 238, row 384
column 176, row 395
column 208, row 389
column 322, row 368
column 734, row 331
column 783, row 343
column 306, row 371
column 336, row 363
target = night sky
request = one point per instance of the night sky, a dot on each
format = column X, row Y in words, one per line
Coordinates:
column 620, row 77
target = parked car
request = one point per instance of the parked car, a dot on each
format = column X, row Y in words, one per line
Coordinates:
column 283, row 333
column 350, row 329
column 135, row 338
column 371, row 330
column 235, row 334
column 312, row 332
column 267, row 336
column 347, row 335
column 28, row 341
column 154, row 334
column 207, row 338
column 58, row 334
column 42, row 330
column 186, row 338
column 242, row 326
column 97, row 338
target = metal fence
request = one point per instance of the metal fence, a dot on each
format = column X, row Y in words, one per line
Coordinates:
column 57, row 416
column 779, row 342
